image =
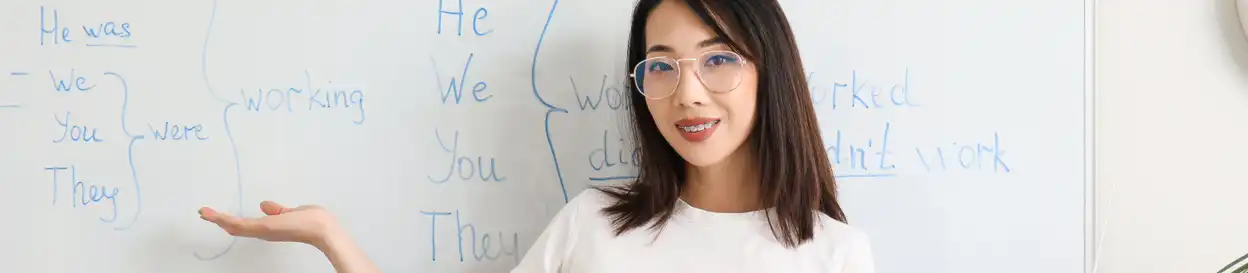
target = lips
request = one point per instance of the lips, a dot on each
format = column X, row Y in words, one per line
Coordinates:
column 697, row 129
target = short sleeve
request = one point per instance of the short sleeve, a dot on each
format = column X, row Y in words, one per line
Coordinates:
column 859, row 258
column 554, row 245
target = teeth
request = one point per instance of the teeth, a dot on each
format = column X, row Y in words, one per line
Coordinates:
column 699, row 127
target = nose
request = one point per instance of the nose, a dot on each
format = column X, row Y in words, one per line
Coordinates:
column 690, row 92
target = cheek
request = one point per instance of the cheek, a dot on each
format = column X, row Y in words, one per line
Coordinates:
column 743, row 110
column 658, row 112
column 744, row 104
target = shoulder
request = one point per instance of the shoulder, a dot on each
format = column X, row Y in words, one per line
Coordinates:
column 836, row 233
column 573, row 223
column 584, row 206
column 592, row 200
column 845, row 243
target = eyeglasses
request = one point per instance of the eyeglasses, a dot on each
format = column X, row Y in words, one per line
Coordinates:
column 658, row 77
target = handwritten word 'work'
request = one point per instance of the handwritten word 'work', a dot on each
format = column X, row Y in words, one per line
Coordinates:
column 97, row 34
column 483, row 246
column 276, row 99
column 877, row 156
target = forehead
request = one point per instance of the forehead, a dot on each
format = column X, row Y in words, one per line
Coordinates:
column 674, row 25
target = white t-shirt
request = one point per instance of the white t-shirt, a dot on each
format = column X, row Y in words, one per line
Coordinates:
column 580, row 239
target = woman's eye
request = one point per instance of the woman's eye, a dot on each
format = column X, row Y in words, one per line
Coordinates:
column 717, row 60
column 659, row 67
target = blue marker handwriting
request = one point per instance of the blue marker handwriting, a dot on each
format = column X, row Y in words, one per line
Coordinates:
column 456, row 88
column 83, row 194
column 866, row 156
column 477, row 18
column 862, row 93
column 974, row 155
column 73, row 82
column 876, row 154
column 483, row 246
column 551, row 109
column 75, row 133
column 174, row 131
column 614, row 152
column 96, row 34
column 285, row 98
column 465, row 167
column 613, row 93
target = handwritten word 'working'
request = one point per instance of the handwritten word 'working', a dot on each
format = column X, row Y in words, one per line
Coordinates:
column 274, row 99
column 483, row 246
column 101, row 34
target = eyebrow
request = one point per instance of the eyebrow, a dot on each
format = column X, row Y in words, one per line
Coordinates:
column 704, row 43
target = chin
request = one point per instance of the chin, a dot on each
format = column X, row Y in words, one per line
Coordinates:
column 701, row 154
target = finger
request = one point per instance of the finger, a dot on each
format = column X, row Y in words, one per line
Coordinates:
column 231, row 224
column 208, row 214
column 306, row 207
column 272, row 208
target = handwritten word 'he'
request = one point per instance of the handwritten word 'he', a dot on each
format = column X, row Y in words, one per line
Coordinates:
column 464, row 165
column 101, row 34
column 275, row 99
column 483, row 246
column 82, row 194
column 477, row 16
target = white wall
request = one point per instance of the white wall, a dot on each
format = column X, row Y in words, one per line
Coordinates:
column 1172, row 135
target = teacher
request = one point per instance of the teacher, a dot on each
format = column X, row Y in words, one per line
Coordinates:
column 733, row 173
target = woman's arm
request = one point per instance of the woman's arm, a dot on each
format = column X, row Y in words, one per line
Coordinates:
column 311, row 225
column 345, row 255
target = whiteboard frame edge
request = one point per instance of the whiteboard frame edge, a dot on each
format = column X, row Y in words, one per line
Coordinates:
column 1090, row 217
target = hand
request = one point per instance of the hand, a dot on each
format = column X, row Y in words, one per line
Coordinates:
column 309, row 224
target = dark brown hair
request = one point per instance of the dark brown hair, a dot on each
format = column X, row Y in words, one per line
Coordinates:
column 795, row 175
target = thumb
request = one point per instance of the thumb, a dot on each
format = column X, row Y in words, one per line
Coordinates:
column 272, row 208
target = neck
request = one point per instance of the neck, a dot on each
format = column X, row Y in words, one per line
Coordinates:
column 730, row 186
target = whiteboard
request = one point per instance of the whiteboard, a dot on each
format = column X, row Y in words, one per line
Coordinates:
column 445, row 134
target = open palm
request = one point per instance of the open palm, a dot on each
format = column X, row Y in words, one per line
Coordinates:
column 305, row 224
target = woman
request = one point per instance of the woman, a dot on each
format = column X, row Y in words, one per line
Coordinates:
column 733, row 174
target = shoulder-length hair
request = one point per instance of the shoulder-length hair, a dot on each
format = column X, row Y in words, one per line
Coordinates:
column 795, row 174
